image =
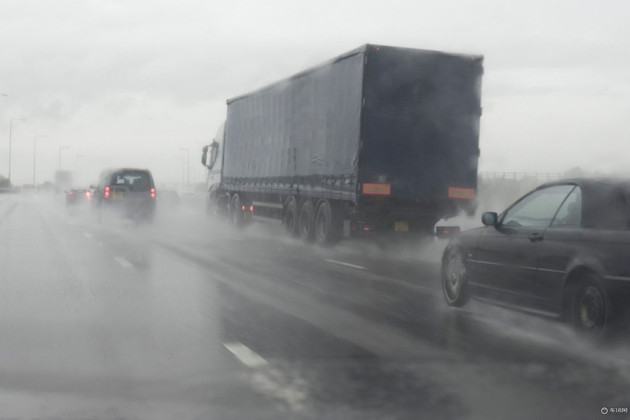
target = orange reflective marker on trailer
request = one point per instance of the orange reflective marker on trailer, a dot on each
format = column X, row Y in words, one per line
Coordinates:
column 377, row 189
column 465, row 193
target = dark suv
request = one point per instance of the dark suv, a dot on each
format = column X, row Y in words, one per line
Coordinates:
column 128, row 192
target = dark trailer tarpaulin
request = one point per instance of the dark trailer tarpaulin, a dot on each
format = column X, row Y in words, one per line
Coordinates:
column 384, row 115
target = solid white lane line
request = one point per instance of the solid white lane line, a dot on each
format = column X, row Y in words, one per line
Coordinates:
column 87, row 235
column 246, row 355
column 358, row 267
column 123, row 262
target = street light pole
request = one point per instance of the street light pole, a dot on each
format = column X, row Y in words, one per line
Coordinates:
column 10, row 142
column 60, row 149
column 187, row 167
column 80, row 168
column 4, row 94
column 35, row 155
column 183, row 176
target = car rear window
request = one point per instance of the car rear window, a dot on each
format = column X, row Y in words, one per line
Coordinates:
column 132, row 180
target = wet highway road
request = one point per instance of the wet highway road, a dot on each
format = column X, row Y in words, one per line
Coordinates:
column 189, row 319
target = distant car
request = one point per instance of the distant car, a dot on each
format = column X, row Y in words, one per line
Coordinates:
column 561, row 250
column 78, row 196
column 127, row 192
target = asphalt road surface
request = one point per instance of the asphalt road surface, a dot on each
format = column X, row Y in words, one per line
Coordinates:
column 187, row 318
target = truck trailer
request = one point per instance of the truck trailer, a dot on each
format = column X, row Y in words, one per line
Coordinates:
column 63, row 181
column 378, row 139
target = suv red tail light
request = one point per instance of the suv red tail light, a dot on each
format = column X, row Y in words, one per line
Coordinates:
column 106, row 192
column 152, row 192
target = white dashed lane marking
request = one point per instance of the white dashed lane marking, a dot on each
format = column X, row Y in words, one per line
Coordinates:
column 123, row 262
column 245, row 355
column 345, row 264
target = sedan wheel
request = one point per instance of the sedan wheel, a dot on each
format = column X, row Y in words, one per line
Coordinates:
column 589, row 307
column 454, row 279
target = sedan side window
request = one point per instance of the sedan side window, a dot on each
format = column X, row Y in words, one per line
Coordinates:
column 538, row 208
column 570, row 213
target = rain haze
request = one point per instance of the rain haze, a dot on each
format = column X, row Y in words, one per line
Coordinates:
column 183, row 237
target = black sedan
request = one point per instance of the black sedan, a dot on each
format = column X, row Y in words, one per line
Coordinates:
column 561, row 250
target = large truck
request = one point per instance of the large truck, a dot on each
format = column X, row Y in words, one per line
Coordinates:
column 63, row 180
column 378, row 139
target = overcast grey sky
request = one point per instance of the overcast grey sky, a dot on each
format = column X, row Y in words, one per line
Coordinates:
column 127, row 82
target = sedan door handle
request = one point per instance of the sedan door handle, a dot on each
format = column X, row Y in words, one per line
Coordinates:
column 535, row 237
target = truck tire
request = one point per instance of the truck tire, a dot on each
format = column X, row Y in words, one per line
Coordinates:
column 211, row 208
column 236, row 214
column 223, row 205
column 217, row 204
column 290, row 218
column 306, row 221
column 327, row 224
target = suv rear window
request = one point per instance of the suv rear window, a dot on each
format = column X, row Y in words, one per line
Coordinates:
column 133, row 180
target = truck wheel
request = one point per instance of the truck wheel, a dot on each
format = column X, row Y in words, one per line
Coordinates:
column 211, row 207
column 291, row 218
column 306, row 221
column 223, row 201
column 216, row 205
column 327, row 225
column 236, row 214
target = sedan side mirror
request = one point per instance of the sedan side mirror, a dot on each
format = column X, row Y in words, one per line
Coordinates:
column 490, row 218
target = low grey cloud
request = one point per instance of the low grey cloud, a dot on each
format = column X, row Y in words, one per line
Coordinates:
column 154, row 78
